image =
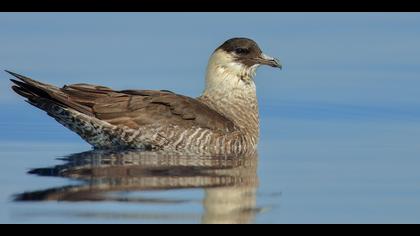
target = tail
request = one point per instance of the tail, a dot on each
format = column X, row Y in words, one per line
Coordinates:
column 44, row 95
column 69, row 113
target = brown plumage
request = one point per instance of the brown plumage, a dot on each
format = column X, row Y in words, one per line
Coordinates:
column 157, row 120
column 130, row 108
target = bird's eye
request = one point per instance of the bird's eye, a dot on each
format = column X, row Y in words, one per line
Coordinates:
column 241, row 51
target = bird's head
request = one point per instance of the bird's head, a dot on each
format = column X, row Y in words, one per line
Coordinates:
column 237, row 58
column 246, row 53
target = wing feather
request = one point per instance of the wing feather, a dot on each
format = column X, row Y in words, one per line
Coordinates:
column 131, row 108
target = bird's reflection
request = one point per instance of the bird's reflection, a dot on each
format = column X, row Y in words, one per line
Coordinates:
column 229, row 183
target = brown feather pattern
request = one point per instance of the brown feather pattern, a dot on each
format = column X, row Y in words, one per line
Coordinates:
column 149, row 119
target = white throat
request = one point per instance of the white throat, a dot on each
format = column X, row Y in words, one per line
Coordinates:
column 224, row 74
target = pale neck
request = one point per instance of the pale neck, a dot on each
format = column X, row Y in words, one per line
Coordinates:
column 230, row 90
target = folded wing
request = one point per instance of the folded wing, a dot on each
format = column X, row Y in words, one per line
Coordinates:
column 130, row 108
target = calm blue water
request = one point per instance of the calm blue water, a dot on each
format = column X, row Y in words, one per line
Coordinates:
column 340, row 122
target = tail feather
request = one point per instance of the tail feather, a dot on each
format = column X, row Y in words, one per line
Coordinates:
column 23, row 92
column 27, row 80
column 34, row 90
column 74, row 116
column 28, row 91
column 34, row 87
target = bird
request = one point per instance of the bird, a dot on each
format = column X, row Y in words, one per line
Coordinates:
column 223, row 120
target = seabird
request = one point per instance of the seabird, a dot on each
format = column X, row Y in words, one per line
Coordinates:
column 223, row 120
